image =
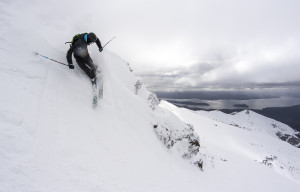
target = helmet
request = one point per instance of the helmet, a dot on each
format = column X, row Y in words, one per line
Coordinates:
column 92, row 37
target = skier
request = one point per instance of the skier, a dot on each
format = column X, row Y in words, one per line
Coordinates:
column 81, row 54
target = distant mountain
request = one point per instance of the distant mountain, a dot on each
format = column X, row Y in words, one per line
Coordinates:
column 241, row 105
column 288, row 115
column 241, row 136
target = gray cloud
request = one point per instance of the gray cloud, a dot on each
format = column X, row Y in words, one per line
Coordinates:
column 186, row 44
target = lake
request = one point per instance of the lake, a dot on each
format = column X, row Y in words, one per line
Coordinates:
column 228, row 104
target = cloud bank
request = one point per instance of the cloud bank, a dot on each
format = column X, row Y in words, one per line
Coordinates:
column 191, row 44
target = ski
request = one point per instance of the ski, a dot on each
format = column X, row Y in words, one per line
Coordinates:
column 97, row 84
column 95, row 101
column 95, row 96
column 100, row 91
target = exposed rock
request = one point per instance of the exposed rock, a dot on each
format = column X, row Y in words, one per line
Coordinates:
column 291, row 139
column 269, row 160
column 199, row 164
column 130, row 69
column 274, row 125
column 186, row 141
column 282, row 136
column 138, row 86
column 164, row 134
column 153, row 101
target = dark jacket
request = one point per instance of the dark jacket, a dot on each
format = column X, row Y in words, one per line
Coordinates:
column 80, row 48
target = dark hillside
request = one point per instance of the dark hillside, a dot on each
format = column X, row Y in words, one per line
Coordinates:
column 287, row 115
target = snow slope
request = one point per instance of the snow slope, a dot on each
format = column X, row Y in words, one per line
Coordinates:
column 51, row 139
column 231, row 140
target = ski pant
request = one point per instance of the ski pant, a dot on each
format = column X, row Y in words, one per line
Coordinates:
column 87, row 65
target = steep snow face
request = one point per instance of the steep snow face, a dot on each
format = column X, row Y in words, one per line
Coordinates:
column 53, row 140
column 51, row 137
column 230, row 140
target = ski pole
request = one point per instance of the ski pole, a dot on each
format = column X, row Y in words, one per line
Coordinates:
column 108, row 42
column 51, row 59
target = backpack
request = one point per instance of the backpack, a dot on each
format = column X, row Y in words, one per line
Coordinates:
column 75, row 38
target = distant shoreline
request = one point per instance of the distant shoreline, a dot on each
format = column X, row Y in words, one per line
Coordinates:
column 289, row 115
column 211, row 104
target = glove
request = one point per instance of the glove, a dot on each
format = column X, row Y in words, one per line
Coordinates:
column 71, row 66
column 101, row 49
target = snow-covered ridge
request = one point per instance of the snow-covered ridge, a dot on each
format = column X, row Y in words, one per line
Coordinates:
column 246, row 133
column 254, row 121
column 250, row 120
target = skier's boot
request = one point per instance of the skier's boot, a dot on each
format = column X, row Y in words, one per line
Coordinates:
column 94, row 81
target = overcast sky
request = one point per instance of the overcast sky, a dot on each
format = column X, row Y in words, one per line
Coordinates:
column 194, row 44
